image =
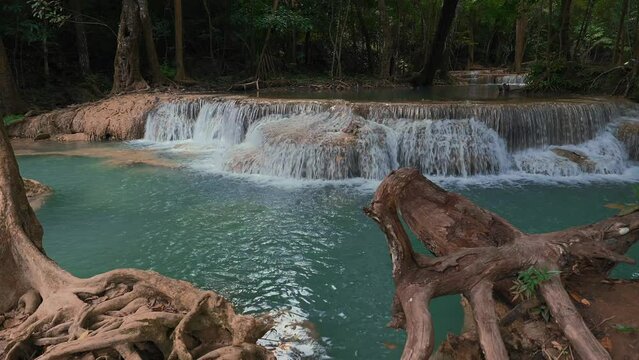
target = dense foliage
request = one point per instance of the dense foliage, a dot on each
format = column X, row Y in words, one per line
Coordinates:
column 231, row 40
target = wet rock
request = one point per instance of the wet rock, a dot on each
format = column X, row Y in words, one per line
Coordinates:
column 37, row 192
column 119, row 118
column 577, row 157
column 628, row 133
column 73, row 137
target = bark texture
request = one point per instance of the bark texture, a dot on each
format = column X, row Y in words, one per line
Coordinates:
column 46, row 313
column 436, row 55
column 127, row 75
column 477, row 250
column 81, row 38
column 179, row 43
column 151, row 53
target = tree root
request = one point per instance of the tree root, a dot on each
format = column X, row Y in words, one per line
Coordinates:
column 48, row 314
column 476, row 251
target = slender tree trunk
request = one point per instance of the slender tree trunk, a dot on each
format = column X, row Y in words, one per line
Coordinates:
column 520, row 39
column 157, row 77
column 564, row 28
column 210, row 23
column 127, row 75
column 261, row 63
column 584, row 29
column 307, row 48
column 180, row 74
column 81, row 38
column 618, row 50
column 367, row 37
column 471, row 41
column 427, row 75
column 10, row 101
column 387, row 40
column 45, row 59
column 634, row 77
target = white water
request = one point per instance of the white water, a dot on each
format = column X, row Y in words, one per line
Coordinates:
column 338, row 140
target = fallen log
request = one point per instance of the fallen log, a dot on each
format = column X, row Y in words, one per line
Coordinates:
column 476, row 251
column 46, row 313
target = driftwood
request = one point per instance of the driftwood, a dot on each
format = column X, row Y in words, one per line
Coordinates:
column 476, row 251
column 46, row 313
column 246, row 86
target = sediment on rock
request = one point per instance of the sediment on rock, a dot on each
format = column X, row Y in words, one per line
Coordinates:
column 115, row 118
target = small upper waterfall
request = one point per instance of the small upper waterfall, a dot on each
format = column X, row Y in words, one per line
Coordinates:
column 338, row 140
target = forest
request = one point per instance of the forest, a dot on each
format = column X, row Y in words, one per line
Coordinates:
column 60, row 52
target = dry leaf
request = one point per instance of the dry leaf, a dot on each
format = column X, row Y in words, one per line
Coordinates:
column 557, row 345
column 606, row 343
column 390, row 345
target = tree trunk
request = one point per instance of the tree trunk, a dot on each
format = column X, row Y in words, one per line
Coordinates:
column 81, row 38
column 10, row 101
column 446, row 17
column 45, row 59
column 520, row 39
column 633, row 81
column 617, row 57
column 157, row 78
column 584, row 29
column 387, row 41
column 180, row 74
column 564, row 28
column 262, row 67
column 49, row 313
column 210, row 28
column 476, row 250
column 127, row 75
column 367, row 37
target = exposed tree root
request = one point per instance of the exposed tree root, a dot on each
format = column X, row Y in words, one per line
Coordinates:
column 46, row 313
column 477, row 250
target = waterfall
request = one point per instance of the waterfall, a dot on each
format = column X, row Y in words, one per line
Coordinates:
column 333, row 140
column 521, row 125
column 216, row 121
column 172, row 121
column 451, row 147
column 314, row 146
column 603, row 155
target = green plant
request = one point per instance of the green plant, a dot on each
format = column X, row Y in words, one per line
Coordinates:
column 626, row 329
column 12, row 118
column 543, row 311
column 528, row 280
column 168, row 70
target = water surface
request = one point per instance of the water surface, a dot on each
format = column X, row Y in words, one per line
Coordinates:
column 306, row 248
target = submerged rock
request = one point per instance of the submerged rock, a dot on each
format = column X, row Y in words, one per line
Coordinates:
column 42, row 136
column 37, row 192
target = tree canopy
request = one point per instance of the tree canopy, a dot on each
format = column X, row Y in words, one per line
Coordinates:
column 63, row 42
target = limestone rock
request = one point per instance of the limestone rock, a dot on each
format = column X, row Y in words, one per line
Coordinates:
column 577, row 157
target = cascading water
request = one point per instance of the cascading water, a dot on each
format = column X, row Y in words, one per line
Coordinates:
column 327, row 145
column 339, row 140
column 451, row 147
